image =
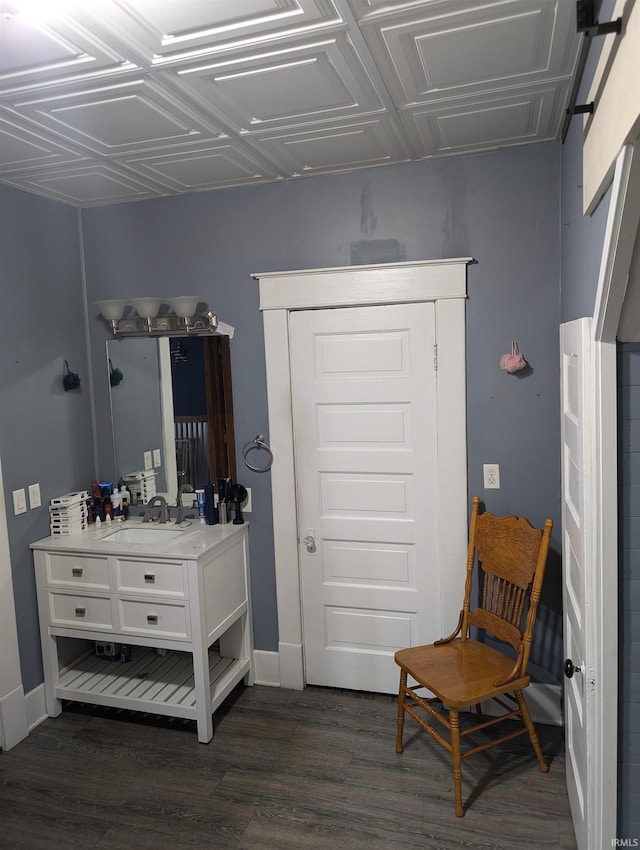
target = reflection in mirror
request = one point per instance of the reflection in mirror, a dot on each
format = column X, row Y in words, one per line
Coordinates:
column 174, row 400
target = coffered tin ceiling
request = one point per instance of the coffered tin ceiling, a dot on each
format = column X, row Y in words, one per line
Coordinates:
column 107, row 101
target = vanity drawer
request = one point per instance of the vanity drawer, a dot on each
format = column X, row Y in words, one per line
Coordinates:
column 82, row 571
column 159, row 578
column 81, row 611
column 164, row 619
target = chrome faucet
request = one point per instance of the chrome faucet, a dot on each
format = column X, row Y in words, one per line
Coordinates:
column 184, row 488
column 164, row 510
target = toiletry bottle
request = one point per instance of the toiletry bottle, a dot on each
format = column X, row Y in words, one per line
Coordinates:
column 201, row 505
column 98, row 522
column 116, row 503
column 126, row 501
column 107, row 521
column 223, row 512
column 210, row 512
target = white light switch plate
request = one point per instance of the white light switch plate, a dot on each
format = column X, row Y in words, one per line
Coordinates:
column 157, row 460
column 148, row 462
column 19, row 502
column 34, row 496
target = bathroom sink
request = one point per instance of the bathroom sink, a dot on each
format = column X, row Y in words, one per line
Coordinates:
column 144, row 534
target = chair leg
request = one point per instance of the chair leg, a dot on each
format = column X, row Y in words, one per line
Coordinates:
column 479, row 713
column 401, row 701
column 526, row 719
column 457, row 761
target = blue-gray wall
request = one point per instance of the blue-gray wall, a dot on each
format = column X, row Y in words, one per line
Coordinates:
column 502, row 208
column 629, row 586
column 45, row 432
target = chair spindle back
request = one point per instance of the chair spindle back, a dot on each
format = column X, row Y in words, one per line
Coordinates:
column 511, row 554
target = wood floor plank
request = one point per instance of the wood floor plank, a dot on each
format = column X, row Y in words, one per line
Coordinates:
column 305, row 770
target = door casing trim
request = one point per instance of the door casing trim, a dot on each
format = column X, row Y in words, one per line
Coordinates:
column 623, row 223
column 441, row 281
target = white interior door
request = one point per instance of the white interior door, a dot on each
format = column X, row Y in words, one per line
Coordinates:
column 365, row 436
column 577, row 549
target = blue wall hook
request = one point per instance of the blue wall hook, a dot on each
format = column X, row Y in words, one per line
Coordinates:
column 71, row 380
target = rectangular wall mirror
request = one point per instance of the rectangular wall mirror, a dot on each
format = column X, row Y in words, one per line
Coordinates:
column 172, row 397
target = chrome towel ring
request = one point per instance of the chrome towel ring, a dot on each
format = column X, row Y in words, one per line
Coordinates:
column 258, row 444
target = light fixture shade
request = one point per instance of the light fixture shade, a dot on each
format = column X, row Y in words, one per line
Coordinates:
column 184, row 306
column 146, row 308
column 112, row 310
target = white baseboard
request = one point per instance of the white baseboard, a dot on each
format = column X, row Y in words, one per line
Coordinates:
column 36, row 705
column 291, row 666
column 266, row 668
column 13, row 718
column 544, row 702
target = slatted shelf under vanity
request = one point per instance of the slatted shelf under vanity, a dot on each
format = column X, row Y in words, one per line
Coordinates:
column 160, row 684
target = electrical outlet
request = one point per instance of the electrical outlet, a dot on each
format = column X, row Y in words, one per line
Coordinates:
column 246, row 507
column 491, row 476
column 19, row 502
column 148, row 462
column 157, row 460
column 34, row 496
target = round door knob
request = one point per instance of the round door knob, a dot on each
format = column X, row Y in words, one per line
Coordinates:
column 570, row 668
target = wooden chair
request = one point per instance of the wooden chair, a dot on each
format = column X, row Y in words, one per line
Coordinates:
column 463, row 672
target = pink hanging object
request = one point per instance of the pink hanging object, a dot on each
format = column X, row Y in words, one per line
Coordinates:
column 513, row 362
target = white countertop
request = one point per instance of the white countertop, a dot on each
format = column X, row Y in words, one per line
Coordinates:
column 194, row 540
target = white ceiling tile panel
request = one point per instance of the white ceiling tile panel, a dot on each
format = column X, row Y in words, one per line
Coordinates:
column 165, row 32
column 492, row 122
column 445, row 50
column 87, row 184
column 286, row 86
column 117, row 118
column 38, row 52
column 198, row 168
column 23, row 147
column 358, row 144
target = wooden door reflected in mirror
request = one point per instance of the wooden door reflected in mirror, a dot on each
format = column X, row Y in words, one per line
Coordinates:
column 203, row 409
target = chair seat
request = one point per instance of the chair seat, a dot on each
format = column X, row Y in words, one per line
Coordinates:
column 460, row 673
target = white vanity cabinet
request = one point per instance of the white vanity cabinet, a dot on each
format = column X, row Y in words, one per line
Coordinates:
column 189, row 598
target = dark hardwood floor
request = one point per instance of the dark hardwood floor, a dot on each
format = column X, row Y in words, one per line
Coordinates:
column 286, row 770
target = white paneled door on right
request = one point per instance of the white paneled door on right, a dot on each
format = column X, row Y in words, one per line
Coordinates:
column 577, row 558
column 364, row 412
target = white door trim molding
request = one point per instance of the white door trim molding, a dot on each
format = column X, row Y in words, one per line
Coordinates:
column 616, row 118
column 13, row 714
column 612, row 284
column 441, row 281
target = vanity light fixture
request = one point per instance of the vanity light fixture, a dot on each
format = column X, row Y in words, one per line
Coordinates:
column 146, row 317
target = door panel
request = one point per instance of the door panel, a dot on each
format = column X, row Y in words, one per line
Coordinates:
column 577, row 555
column 364, row 412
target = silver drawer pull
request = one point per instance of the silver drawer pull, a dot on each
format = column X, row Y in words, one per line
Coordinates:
column 77, row 572
column 152, row 619
column 150, row 577
column 80, row 612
